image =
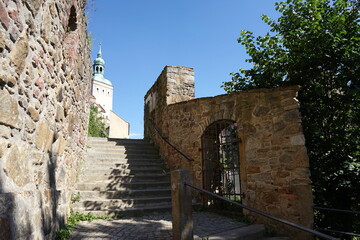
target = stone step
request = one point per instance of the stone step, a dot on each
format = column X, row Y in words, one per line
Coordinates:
column 107, row 146
column 109, row 185
column 124, row 203
column 251, row 232
column 124, row 178
column 131, row 161
column 130, row 211
column 121, row 176
column 130, row 141
column 91, row 144
column 114, row 165
column 121, row 172
column 165, row 192
column 123, row 142
column 114, row 156
column 275, row 238
column 97, row 139
column 122, row 150
column 125, row 165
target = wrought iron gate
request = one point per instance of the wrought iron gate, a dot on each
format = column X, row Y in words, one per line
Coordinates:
column 221, row 163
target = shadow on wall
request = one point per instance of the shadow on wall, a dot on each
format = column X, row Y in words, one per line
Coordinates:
column 28, row 213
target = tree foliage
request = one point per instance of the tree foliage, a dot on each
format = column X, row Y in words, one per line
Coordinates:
column 96, row 123
column 316, row 44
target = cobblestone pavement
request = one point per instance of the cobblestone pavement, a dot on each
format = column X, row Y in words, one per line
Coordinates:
column 151, row 227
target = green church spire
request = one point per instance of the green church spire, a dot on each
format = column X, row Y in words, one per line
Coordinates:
column 98, row 68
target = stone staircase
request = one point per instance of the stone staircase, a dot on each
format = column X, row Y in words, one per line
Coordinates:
column 126, row 177
column 123, row 177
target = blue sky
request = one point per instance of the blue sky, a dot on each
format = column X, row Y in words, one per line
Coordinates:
column 140, row 37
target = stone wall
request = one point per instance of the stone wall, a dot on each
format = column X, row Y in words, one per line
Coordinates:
column 44, row 80
column 273, row 158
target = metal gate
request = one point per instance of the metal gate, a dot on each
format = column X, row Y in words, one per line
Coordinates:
column 221, row 163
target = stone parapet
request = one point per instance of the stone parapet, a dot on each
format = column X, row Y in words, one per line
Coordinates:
column 274, row 166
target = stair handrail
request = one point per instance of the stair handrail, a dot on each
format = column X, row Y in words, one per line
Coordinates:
column 309, row 230
column 336, row 210
column 169, row 143
column 339, row 211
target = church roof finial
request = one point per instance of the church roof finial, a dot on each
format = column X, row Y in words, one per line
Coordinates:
column 99, row 55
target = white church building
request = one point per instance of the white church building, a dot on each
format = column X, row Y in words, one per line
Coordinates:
column 102, row 91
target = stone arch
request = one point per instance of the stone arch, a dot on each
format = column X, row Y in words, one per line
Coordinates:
column 221, row 161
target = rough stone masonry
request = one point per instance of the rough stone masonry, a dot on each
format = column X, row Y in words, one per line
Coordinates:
column 274, row 166
column 44, row 80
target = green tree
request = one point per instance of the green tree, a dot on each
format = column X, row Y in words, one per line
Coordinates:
column 96, row 123
column 316, row 44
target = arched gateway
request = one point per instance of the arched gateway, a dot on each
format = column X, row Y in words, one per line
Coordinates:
column 221, row 163
column 273, row 160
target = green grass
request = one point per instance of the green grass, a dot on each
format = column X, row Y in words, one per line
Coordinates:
column 75, row 217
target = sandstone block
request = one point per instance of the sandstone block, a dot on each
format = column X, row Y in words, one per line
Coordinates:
column 253, row 169
column 297, row 140
column 5, row 132
column 261, row 111
column 16, row 166
column 3, row 147
column 260, row 177
column 4, row 18
column 292, row 116
column 9, row 113
column 23, row 102
column 59, row 116
column 29, row 125
column 40, row 83
column 19, row 53
column 2, row 41
column 58, row 146
column 33, row 114
column 44, row 137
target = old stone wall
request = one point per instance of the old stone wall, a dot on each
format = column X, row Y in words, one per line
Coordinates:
column 44, row 79
column 273, row 158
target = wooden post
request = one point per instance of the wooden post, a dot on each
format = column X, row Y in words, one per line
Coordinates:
column 182, row 223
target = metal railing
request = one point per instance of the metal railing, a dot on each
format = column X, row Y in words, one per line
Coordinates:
column 168, row 142
column 338, row 211
column 316, row 233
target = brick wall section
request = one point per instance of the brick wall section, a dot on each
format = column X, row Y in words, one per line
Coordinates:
column 273, row 158
column 44, row 77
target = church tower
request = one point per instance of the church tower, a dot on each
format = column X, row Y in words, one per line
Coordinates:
column 102, row 89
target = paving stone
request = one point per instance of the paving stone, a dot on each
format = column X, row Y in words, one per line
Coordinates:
column 156, row 227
